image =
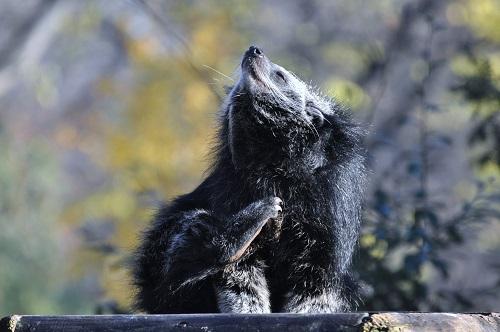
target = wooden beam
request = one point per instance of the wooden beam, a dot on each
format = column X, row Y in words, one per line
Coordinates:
column 391, row 321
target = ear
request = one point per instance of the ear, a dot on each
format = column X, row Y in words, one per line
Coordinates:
column 315, row 114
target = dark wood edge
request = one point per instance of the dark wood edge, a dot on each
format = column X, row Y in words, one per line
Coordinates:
column 362, row 321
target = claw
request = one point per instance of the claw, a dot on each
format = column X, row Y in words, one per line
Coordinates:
column 278, row 201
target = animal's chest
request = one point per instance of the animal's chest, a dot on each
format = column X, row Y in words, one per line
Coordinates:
column 305, row 224
column 305, row 240
column 304, row 227
column 307, row 220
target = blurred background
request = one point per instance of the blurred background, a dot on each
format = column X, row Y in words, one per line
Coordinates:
column 108, row 108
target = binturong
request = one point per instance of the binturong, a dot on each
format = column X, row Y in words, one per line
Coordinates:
column 274, row 225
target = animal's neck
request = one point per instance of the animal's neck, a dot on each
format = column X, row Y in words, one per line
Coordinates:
column 273, row 158
column 230, row 189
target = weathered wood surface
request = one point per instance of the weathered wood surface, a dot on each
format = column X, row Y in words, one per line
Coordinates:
column 390, row 321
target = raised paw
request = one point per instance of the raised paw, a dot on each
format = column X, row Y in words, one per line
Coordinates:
column 272, row 207
column 263, row 210
column 248, row 223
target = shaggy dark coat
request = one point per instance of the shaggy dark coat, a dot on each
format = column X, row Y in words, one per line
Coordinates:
column 274, row 225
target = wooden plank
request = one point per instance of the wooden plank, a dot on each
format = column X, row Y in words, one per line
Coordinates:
column 202, row 322
column 367, row 322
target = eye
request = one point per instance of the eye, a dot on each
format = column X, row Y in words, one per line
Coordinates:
column 281, row 75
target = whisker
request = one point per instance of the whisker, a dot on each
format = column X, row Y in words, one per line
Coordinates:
column 218, row 72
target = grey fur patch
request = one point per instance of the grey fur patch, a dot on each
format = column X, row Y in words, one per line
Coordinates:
column 327, row 302
column 252, row 295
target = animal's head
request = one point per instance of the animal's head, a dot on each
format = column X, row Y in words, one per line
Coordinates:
column 271, row 107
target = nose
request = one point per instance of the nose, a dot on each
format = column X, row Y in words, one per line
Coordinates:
column 254, row 51
column 254, row 57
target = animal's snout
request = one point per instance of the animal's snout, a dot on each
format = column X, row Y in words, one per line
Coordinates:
column 255, row 63
column 254, row 51
column 253, row 57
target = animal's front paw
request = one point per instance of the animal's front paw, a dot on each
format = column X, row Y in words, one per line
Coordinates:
column 273, row 227
column 249, row 222
column 263, row 210
column 271, row 207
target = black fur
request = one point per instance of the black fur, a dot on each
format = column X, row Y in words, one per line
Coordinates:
column 232, row 245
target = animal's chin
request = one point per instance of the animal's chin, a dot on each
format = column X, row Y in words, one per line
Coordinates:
column 253, row 84
column 255, row 69
column 256, row 102
column 251, row 73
